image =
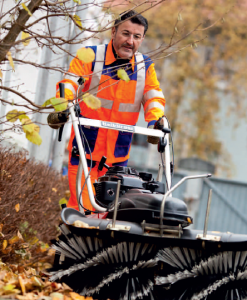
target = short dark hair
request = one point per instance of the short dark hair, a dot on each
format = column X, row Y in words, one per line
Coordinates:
column 134, row 17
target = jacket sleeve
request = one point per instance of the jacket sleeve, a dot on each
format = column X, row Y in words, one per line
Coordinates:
column 153, row 99
column 76, row 70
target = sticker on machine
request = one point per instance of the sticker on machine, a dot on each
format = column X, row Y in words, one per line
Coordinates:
column 117, row 126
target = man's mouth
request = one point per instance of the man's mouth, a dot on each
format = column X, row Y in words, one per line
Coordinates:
column 127, row 47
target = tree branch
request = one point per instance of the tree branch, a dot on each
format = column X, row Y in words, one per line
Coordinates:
column 17, row 28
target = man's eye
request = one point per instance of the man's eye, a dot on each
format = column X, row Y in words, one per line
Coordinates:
column 125, row 33
column 137, row 37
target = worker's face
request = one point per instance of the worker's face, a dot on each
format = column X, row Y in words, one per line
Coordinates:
column 127, row 38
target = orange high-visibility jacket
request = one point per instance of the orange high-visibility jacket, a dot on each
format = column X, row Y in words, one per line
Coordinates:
column 120, row 101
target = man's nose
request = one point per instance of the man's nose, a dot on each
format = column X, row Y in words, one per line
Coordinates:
column 130, row 39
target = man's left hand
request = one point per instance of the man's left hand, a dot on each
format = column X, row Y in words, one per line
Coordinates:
column 152, row 139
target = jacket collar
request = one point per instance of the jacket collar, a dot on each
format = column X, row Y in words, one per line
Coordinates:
column 110, row 58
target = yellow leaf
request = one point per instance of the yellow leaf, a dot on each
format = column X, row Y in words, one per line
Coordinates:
column 26, row 8
column 5, row 244
column 59, row 104
column 13, row 240
column 78, row 21
column 12, row 115
column 62, row 201
column 17, row 207
column 1, row 227
column 9, row 287
column 54, row 190
column 46, row 103
column 22, row 115
column 34, row 138
column 91, row 101
column 123, row 75
column 27, row 125
column 1, row 74
column 25, row 35
column 9, row 56
column 86, row 55
column 36, row 128
column 77, row 1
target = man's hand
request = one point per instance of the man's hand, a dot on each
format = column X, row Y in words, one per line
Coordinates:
column 56, row 119
column 153, row 139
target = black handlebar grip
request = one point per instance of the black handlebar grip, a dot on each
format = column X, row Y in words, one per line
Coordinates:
column 62, row 94
column 102, row 163
column 60, row 133
column 61, row 88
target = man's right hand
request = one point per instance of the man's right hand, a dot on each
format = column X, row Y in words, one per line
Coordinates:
column 56, row 119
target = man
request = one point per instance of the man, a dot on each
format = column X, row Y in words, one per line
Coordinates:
column 120, row 101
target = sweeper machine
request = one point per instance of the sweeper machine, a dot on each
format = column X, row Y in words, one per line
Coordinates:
column 136, row 244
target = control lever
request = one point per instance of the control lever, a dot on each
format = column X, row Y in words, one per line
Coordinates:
column 162, row 144
column 102, row 164
column 160, row 125
column 62, row 94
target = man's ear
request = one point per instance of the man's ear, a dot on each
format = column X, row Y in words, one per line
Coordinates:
column 113, row 31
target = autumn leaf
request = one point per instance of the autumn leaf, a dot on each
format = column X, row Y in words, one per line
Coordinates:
column 13, row 240
column 25, row 35
column 34, row 138
column 86, row 55
column 46, row 103
column 1, row 74
column 77, row 1
column 27, row 125
column 91, row 101
column 9, row 287
column 78, row 21
column 5, row 244
column 123, row 75
column 17, row 207
column 36, row 128
column 62, row 201
column 26, row 8
column 12, row 115
column 54, row 190
column 59, row 104
column 56, row 296
column 22, row 115
column 80, row 224
column 9, row 56
column 22, row 284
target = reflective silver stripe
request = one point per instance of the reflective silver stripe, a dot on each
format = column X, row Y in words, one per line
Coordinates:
column 98, row 67
column 73, row 77
column 70, row 87
column 140, row 84
column 154, row 105
column 152, row 94
column 106, row 103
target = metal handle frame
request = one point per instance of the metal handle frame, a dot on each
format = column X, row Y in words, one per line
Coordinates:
column 113, row 126
column 162, row 207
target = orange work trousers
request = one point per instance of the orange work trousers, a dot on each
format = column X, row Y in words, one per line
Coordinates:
column 95, row 174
